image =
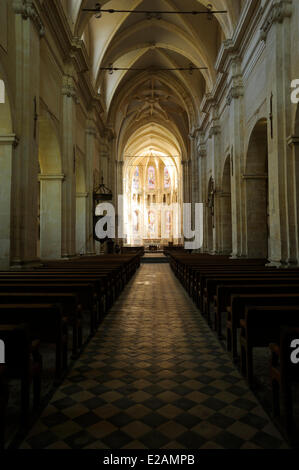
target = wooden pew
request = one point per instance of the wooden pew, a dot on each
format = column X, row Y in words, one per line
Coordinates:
column 45, row 323
column 239, row 302
column 68, row 302
column 210, row 282
column 23, row 362
column 3, row 404
column 225, row 291
column 85, row 291
column 261, row 327
column 284, row 373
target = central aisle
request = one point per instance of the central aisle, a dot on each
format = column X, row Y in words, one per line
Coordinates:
column 154, row 377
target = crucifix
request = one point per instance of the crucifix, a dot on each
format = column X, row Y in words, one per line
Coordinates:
column 35, row 118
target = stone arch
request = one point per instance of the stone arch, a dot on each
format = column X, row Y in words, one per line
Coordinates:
column 226, row 209
column 256, row 192
column 50, row 178
column 7, row 144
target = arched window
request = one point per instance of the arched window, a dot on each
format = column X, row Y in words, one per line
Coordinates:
column 136, row 180
column 167, row 180
column 151, row 178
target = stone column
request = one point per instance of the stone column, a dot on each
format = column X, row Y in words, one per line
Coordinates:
column 203, row 190
column 50, row 216
column 214, row 135
column 7, row 145
column 90, row 136
column 82, row 206
column 119, row 192
column 69, row 166
column 224, row 200
column 236, row 113
column 28, row 32
column 187, row 180
column 293, row 142
column 276, row 32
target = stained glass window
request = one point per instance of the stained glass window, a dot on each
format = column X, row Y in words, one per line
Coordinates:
column 167, row 180
column 136, row 180
column 151, row 178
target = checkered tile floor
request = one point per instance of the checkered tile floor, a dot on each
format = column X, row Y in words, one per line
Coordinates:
column 154, row 377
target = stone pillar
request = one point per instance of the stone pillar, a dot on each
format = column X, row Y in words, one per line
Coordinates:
column 50, row 216
column 82, row 205
column 90, row 136
column 293, row 142
column 119, row 192
column 187, row 180
column 236, row 125
column 276, row 32
column 28, row 32
column 224, row 200
column 7, row 144
column 203, row 190
column 69, row 166
column 214, row 135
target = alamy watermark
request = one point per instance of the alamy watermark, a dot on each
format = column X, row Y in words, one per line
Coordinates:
column 2, row 352
column 2, row 92
column 295, row 353
column 147, row 226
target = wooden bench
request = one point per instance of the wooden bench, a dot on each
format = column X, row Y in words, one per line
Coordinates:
column 45, row 322
column 261, row 327
column 283, row 374
column 224, row 293
column 23, row 362
column 3, row 404
column 85, row 291
column 71, row 309
column 239, row 302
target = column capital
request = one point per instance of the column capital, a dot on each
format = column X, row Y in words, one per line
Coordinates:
column 69, row 87
column 293, row 140
column 27, row 9
column 11, row 139
column 82, row 195
column 42, row 177
column 202, row 152
column 255, row 177
column 280, row 9
column 236, row 92
column 214, row 130
column 91, row 131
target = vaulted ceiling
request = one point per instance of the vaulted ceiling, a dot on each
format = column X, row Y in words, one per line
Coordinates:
column 151, row 99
